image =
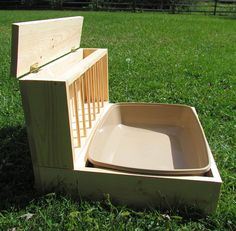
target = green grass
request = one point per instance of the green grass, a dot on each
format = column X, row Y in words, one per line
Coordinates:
column 152, row 58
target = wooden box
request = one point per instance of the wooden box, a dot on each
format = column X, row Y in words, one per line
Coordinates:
column 64, row 92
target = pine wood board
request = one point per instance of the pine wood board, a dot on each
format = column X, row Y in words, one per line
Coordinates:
column 40, row 42
column 136, row 190
column 47, row 121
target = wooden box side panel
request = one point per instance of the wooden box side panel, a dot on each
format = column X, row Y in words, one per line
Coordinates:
column 47, row 120
column 140, row 191
column 134, row 191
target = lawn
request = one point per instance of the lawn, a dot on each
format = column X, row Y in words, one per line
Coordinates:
column 186, row 59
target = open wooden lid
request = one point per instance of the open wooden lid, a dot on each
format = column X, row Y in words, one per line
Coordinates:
column 37, row 43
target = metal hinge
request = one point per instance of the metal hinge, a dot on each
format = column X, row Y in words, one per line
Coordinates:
column 73, row 49
column 34, row 68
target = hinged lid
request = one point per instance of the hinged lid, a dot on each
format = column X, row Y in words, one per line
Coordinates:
column 37, row 43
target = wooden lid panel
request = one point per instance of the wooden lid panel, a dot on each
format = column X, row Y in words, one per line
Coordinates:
column 37, row 43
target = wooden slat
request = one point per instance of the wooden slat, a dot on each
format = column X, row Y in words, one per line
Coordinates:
column 92, row 89
column 66, row 69
column 88, row 97
column 81, row 84
column 39, row 42
column 71, row 101
column 76, row 113
column 101, row 82
column 97, row 86
column 93, row 93
column 105, row 73
column 56, row 70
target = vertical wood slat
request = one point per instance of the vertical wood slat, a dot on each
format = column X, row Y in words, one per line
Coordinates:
column 88, row 97
column 88, row 94
column 97, row 86
column 76, row 113
column 81, row 84
column 101, row 82
column 72, row 107
column 105, row 75
column 93, row 90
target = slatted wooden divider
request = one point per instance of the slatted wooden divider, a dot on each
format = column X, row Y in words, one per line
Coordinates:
column 88, row 94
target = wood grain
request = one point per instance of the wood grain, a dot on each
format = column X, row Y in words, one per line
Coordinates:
column 76, row 114
column 137, row 190
column 40, row 42
column 47, row 120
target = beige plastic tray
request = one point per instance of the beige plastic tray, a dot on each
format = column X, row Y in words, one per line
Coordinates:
column 150, row 138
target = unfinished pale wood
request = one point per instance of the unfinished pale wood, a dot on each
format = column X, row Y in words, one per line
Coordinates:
column 101, row 82
column 47, row 120
column 105, row 76
column 88, row 89
column 93, row 94
column 97, row 87
column 78, row 151
column 54, row 113
column 94, row 90
column 71, row 100
column 39, row 42
column 81, row 83
column 66, row 70
column 76, row 108
column 55, row 70
column 137, row 190
column 82, row 98
column 46, row 73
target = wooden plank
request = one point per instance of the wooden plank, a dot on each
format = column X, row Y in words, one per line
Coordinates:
column 143, row 191
column 76, row 113
column 136, row 190
column 71, row 101
column 97, row 86
column 81, row 84
column 88, row 89
column 93, row 92
column 100, row 66
column 66, row 69
column 56, row 70
column 46, row 112
column 39, row 42
column 105, row 73
column 59, row 179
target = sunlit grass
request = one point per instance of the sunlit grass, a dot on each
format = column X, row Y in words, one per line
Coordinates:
column 152, row 58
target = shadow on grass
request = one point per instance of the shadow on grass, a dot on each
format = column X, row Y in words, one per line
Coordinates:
column 16, row 171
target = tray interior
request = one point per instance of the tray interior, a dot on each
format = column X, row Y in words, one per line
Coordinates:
column 150, row 138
